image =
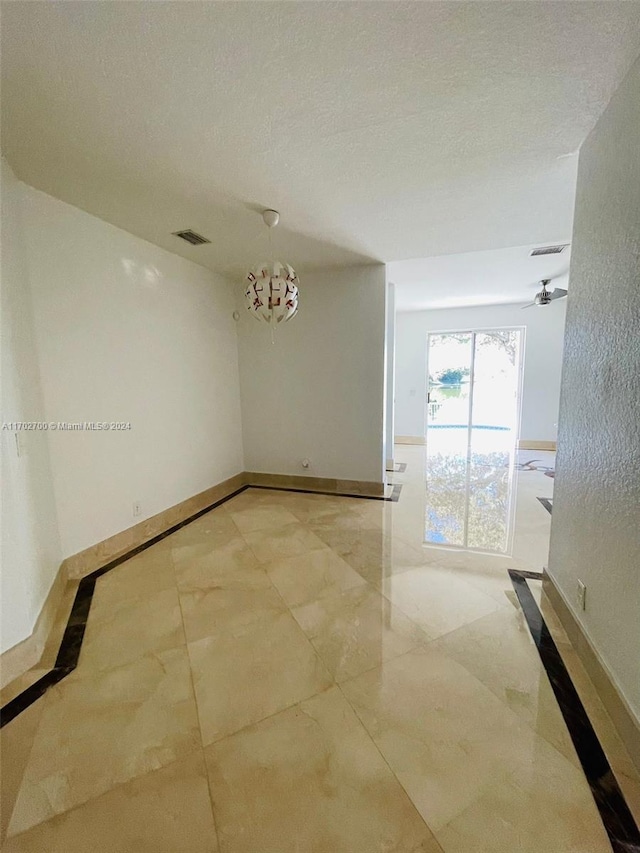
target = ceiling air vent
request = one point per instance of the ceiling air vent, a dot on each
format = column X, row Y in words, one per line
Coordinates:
column 191, row 237
column 549, row 250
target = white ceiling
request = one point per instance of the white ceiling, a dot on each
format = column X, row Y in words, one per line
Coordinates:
column 493, row 277
column 381, row 131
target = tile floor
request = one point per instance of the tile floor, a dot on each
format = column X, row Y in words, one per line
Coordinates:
column 301, row 673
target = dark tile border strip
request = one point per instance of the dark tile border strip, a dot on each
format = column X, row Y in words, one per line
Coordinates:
column 23, row 700
column 617, row 819
column 533, row 576
column 69, row 651
column 547, row 504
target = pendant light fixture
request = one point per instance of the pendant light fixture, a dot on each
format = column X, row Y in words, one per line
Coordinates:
column 272, row 287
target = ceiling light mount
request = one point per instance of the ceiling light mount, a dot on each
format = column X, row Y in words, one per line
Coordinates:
column 271, row 218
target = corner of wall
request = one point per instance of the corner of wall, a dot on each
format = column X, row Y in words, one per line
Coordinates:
column 30, row 532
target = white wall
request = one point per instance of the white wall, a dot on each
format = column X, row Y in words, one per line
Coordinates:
column 128, row 332
column 31, row 550
column 318, row 391
column 542, row 361
column 595, row 532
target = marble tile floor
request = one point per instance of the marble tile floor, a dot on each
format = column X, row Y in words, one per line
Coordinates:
column 296, row 672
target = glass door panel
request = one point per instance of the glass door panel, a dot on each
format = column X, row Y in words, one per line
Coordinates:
column 472, row 421
column 450, row 357
column 492, row 438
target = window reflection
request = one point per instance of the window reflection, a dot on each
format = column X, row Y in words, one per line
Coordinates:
column 469, row 500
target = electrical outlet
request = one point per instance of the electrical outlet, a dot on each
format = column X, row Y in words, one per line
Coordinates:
column 137, row 509
column 582, row 595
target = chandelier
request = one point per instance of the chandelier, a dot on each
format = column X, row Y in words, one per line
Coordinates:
column 272, row 289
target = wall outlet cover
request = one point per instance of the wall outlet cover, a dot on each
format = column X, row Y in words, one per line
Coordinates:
column 582, row 595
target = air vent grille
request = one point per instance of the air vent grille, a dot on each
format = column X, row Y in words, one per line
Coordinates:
column 191, row 237
column 549, row 250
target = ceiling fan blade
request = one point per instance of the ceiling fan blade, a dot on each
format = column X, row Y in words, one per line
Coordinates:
column 558, row 293
column 530, row 305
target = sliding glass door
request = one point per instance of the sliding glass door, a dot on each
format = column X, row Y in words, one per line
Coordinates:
column 473, row 403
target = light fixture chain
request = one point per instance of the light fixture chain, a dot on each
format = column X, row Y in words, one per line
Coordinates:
column 273, row 260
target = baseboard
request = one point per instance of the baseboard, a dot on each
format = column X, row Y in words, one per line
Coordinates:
column 96, row 556
column 523, row 444
column 533, row 444
column 315, row 484
column 410, row 439
column 624, row 720
column 25, row 655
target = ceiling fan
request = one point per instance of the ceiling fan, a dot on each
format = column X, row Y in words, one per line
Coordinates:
column 544, row 296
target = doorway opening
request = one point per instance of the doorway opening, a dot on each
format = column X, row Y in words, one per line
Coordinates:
column 474, row 381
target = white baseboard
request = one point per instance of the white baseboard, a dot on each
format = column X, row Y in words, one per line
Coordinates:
column 410, row 439
column 536, row 444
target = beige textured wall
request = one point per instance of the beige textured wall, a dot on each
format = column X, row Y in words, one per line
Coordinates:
column 596, row 515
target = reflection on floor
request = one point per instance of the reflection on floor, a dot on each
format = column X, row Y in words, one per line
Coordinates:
column 470, row 489
column 300, row 672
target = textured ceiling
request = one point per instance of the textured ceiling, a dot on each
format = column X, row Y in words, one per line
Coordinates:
column 491, row 277
column 381, row 131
